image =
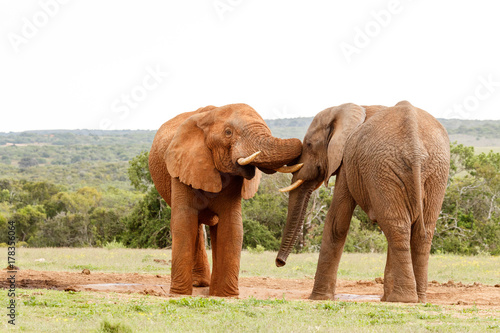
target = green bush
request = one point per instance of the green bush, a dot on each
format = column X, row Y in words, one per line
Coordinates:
column 364, row 240
column 113, row 245
column 256, row 250
column 257, row 235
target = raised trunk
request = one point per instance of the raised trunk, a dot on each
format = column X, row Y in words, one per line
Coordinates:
column 275, row 152
column 297, row 206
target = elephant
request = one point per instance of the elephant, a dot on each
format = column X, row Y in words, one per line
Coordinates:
column 203, row 163
column 391, row 161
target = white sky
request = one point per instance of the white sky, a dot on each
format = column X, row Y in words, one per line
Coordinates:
column 77, row 66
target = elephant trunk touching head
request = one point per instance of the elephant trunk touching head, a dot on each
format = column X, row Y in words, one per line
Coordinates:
column 272, row 152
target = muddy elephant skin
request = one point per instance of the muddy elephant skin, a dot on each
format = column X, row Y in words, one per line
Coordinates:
column 203, row 163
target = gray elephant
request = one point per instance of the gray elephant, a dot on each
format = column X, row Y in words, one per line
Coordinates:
column 391, row 161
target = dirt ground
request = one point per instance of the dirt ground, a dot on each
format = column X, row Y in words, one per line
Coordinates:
column 450, row 293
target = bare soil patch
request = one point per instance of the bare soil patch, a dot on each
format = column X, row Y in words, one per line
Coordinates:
column 449, row 293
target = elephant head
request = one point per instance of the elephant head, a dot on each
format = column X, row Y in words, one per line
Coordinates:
column 231, row 139
column 322, row 153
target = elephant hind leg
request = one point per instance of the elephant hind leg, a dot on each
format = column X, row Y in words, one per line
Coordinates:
column 201, row 268
column 434, row 188
column 420, row 250
column 401, row 277
column 388, row 278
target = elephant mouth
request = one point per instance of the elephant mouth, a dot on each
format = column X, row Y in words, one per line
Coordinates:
column 246, row 171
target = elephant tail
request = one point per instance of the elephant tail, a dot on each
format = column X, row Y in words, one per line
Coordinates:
column 417, row 181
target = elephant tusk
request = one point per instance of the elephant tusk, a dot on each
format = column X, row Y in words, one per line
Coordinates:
column 292, row 187
column 290, row 169
column 249, row 159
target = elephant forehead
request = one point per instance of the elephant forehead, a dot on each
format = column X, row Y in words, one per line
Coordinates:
column 238, row 112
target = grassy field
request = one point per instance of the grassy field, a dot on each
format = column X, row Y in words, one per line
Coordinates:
column 353, row 266
column 479, row 150
column 56, row 311
column 52, row 311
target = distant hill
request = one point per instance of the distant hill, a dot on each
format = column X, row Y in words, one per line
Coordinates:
column 479, row 133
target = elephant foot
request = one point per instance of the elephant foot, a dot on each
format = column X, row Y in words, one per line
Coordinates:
column 422, row 298
column 179, row 291
column 321, row 297
column 201, row 282
column 224, row 294
column 402, row 298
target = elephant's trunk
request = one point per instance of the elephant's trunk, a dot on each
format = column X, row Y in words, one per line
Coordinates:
column 275, row 152
column 297, row 206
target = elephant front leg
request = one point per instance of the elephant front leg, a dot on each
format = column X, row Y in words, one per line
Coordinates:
column 334, row 235
column 227, row 240
column 185, row 230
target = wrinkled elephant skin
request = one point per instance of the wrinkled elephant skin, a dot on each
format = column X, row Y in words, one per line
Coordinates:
column 391, row 161
column 203, row 163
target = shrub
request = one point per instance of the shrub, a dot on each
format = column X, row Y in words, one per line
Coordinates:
column 256, row 234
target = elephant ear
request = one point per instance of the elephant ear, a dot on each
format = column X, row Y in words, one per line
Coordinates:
column 345, row 119
column 188, row 158
column 250, row 186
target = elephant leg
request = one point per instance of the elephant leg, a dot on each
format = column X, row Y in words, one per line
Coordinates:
column 420, row 246
column 420, row 249
column 184, row 228
column 335, row 231
column 388, row 278
column 403, row 285
column 213, row 245
column 201, row 269
column 227, row 251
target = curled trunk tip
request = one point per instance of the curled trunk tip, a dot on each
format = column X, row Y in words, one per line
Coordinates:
column 280, row 262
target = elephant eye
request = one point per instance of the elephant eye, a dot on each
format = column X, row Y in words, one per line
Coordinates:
column 228, row 132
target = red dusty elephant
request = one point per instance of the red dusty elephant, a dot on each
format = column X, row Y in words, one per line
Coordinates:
column 202, row 163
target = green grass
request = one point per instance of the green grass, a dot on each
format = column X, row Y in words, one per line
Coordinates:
column 55, row 311
column 353, row 266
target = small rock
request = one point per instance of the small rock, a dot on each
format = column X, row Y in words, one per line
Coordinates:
column 365, row 283
column 40, row 260
column 86, row 271
column 497, row 285
column 158, row 275
column 70, row 289
column 161, row 261
column 434, row 282
column 379, row 280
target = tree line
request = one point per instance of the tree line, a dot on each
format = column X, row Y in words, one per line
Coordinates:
column 47, row 214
